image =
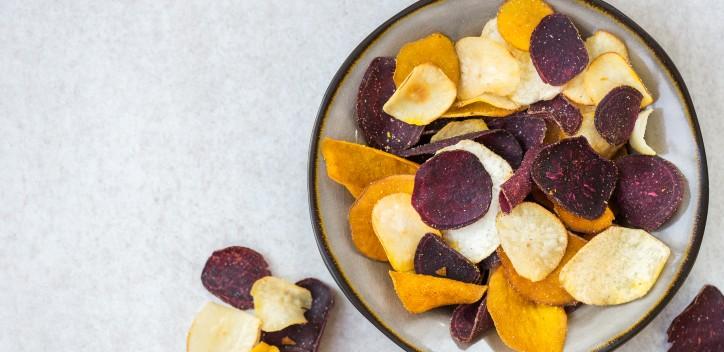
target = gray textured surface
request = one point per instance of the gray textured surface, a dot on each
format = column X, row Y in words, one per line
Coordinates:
column 139, row 136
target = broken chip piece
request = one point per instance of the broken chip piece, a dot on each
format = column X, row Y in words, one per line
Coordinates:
column 469, row 321
column 616, row 114
column 379, row 129
column 609, row 71
column 218, row 328
column 650, row 191
column 436, row 49
column 279, row 303
column 485, row 67
column 617, row 266
column 518, row 18
column 586, row 226
column 229, row 274
column 459, row 128
column 700, row 327
column 436, row 258
column 518, row 186
column 425, row 95
column 561, row 111
column 637, row 141
column 557, row 50
column 529, row 130
column 420, row 293
column 602, row 42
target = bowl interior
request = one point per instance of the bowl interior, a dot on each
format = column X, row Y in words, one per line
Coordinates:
column 672, row 132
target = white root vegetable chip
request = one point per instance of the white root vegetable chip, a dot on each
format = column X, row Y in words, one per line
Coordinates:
column 617, row 266
column 459, row 128
column 637, row 141
column 218, row 328
column 534, row 239
column 589, row 131
column 492, row 99
column 485, row 67
column 279, row 303
column 609, row 71
column 531, row 87
column 423, row 96
column 603, row 42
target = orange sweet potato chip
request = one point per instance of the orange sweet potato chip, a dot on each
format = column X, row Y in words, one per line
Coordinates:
column 360, row 214
column 524, row 325
column 579, row 224
column 355, row 166
column 436, row 49
column 518, row 18
column 549, row 290
column 263, row 347
column 420, row 293
column 477, row 109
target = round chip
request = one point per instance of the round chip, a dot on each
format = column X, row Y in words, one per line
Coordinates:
column 637, row 141
column 557, row 50
column 436, row 49
column 518, row 18
column 452, row 190
column 531, row 87
column 650, row 191
column 485, row 67
column 220, row 328
column 425, row 95
column 230, row 272
column 616, row 114
column 459, row 128
column 609, row 71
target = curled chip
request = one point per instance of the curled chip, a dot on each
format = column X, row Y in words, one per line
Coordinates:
column 617, row 266
column 616, row 114
column 434, row 257
column 477, row 109
column 531, row 87
column 305, row 337
column 459, row 128
column 700, row 327
column 518, row 186
column 469, row 321
column 562, row 112
column 218, row 328
column 355, row 166
column 575, row 177
column 399, row 229
column 602, row 42
column 436, row 49
column 425, row 95
column 524, row 325
column 557, row 50
column 420, row 293
column 230, row 272
column 534, row 240
column 595, row 140
column 485, row 67
column 518, row 18
column 609, row 71
column 477, row 240
column 452, row 190
column 360, row 214
column 637, row 141
column 263, row 347
column 579, row 224
column 650, row 191
column 528, row 130
column 494, row 100
column 549, row 290
column 279, row 303
column 381, row 130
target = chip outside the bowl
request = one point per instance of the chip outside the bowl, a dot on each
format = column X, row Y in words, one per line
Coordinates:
column 609, row 71
column 700, row 327
column 485, row 67
column 435, row 48
column 279, row 303
column 218, row 328
column 420, row 293
column 229, row 274
column 426, row 94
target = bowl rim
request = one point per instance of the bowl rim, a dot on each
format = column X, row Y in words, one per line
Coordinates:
column 602, row 7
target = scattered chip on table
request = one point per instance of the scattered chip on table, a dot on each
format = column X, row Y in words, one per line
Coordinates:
column 219, row 328
column 700, row 327
column 279, row 303
column 229, row 274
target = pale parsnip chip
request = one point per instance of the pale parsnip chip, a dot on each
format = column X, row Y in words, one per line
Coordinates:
column 637, row 141
column 492, row 99
column 490, row 31
column 576, row 92
column 609, row 71
column 479, row 239
column 589, row 131
column 531, row 87
column 617, row 266
column 534, row 239
column 279, row 303
column 459, row 128
column 485, row 67
column 399, row 228
column 219, row 328
column 423, row 96
column 603, row 42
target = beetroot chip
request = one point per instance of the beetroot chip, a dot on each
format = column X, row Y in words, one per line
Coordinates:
column 575, row 177
column 305, row 337
column 700, row 327
column 557, row 50
column 616, row 114
column 529, row 130
column 452, row 190
column 381, row 130
column 490, row 263
column 650, row 191
column 517, row 187
column 434, row 257
column 573, row 307
column 560, row 111
column 230, row 272
column 470, row 321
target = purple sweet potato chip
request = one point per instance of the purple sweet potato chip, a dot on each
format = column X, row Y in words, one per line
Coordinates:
column 379, row 129
column 560, row 111
column 616, row 114
column 489, row 263
column 529, row 130
column 573, row 307
column 470, row 321
column 517, row 187
column 305, row 337
column 557, row 50
column 700, row 327
column 435, row 257
column 230, row 272
column 649, row 192
column 575, row 177
column 452, row 190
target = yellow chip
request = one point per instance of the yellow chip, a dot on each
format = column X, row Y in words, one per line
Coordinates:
column 420, row 293
column 582, row 225
column 360, row 214
column 279, row 303
column 423, row 96
column 609, row 71
column 603, row 42
column 219, row 328
column 549, row 290
column 589, row 131
column 637, row 141
column 531, row 87
column 617, row 266
column 459, row 128
column 485, row 67
column 436, row 49
column 477, row 109
column 355, row 166
column 263, row 347
column 518, row 18
column 399, row 228
column 494, row 100
column 576, row 92
column 524, row 325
